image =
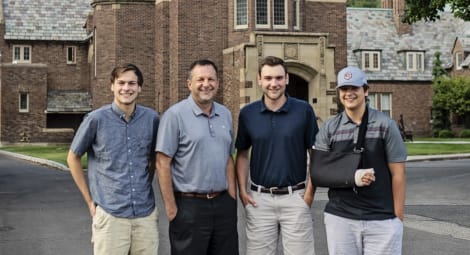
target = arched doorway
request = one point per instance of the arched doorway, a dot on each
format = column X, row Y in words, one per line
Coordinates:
column 297, row 87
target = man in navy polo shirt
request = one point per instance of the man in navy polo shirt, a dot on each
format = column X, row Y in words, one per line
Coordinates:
column 280, row 130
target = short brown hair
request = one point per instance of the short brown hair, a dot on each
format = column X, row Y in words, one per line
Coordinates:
column 118, row 70
column 271, row 61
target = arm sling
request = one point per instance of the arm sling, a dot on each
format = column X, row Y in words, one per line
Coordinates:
column 336, row 169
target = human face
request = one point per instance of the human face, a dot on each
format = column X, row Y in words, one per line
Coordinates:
column 203, row 84
column 353, row 98
column 125, row 89
column 273, row 81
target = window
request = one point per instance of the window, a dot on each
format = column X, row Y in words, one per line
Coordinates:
column 21, row 54
column 241, row 14
column 262, row 13
column 23, row 102
column 71, row 55
column 458, row 60
column 415, row 61
column 280, row 17
column 381, row 102
column 296, row 14
column 371, row 60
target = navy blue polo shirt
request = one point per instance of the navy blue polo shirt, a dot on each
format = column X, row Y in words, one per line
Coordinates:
column 279, row 141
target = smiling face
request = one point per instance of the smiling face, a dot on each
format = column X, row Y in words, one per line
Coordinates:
column 203, row 84
column 353, row 98
column 273, row 81
column 126, row 89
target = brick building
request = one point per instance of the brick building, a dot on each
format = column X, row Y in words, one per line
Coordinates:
column 57, row 56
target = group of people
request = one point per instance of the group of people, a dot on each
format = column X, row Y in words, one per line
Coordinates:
column 199, row 164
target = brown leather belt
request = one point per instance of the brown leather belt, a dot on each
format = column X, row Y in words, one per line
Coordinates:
column 200, row 195
column 276, row 190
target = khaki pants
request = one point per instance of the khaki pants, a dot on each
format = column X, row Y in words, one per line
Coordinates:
column 122, row 236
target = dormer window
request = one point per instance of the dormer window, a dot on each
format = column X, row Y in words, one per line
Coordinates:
column 371, row 60
column 415, row 61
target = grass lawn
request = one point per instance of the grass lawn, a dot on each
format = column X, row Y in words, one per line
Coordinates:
column 57, row 153
column 436, row 148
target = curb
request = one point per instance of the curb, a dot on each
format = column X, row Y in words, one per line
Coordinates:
column 438, row 157
column 39, row 161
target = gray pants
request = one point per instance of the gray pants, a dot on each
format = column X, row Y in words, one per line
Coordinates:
column 288, row 214
column 363, row 237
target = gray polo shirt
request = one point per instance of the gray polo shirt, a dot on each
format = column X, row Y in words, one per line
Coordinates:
column 199, row 145
column 383, row 144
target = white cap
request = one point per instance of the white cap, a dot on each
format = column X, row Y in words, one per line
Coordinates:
column 351, row 76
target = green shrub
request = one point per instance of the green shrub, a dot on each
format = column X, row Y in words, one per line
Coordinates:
column 445, row 134
column 464, row 133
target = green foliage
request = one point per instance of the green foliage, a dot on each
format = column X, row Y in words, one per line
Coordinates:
column 437, row 69
column 452, row 95
column 464, row 133
column 364, row 3
column 445, row 134
column 429, row 10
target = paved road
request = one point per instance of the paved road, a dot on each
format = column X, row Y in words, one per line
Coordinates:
column 42, row 213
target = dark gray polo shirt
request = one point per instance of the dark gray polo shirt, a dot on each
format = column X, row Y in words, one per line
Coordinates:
column 118, row 158
column 383, row 144
column 279, row 141
column 199, row 145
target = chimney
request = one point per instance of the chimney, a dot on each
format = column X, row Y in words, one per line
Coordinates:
column 398, row 12
column 386, row 4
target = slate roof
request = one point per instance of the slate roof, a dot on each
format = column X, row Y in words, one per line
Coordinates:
column 374, row 29
column 57, row 20
column 68, row 101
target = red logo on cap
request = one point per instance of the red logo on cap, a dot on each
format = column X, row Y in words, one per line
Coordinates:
column 347, row 75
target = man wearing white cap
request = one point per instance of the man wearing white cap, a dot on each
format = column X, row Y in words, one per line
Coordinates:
column 367, row 218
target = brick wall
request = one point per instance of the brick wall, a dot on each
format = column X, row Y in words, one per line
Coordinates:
column 198, row 29
column 328, row 18
column 24, row 78
column 416, row 113
column 125, row 33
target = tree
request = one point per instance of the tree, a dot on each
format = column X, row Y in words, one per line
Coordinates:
column 364, row 3
column 437, row 69
column 429, row 10
column 440, row 113
column 452, row 96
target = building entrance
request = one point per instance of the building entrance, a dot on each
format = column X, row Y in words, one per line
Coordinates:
column 297, row 87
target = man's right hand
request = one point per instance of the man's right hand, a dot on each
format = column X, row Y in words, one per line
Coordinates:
column 92, row 208
column 171, row 212
column 247, row 199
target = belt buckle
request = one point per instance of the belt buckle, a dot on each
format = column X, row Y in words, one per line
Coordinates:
column 209, row 196
column 273, row 189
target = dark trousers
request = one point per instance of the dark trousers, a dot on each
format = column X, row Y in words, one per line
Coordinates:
column 205, row 226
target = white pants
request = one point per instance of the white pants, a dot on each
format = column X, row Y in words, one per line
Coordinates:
column 288, row 214
column 363, row 237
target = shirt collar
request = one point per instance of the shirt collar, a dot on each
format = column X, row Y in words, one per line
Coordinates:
column 346, row 120
column 120, row 113
column 197, row 111
column 284, row 108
